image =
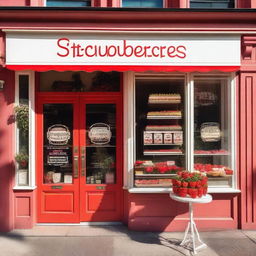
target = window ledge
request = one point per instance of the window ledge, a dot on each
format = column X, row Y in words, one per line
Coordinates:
column 168, row 190
column 24, row 188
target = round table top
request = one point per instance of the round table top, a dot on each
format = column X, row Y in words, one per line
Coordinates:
column 200, row 200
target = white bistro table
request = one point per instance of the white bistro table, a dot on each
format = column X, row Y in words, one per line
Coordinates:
column 191, row 232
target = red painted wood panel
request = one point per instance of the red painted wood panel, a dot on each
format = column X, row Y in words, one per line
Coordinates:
column 14, row 2
column 157, row 212
column 24, row 209
column 101, row 201
column 58, row 202
column 248, row 149
column 247, row 133
column 6, row 150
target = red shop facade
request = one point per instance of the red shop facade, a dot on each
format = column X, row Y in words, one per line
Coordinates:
column 101, row 107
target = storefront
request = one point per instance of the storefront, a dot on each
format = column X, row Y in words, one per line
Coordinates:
column 105, row 119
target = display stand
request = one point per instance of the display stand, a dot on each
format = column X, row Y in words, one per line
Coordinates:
column 191, row 233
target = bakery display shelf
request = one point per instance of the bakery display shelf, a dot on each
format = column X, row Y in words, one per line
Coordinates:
column 163, row 144
column 163, row 117
column 156, row 175
column 162, row 154
column 218, row 154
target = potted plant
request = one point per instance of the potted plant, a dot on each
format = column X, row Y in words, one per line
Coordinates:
column 22, row 118
column 22, row 160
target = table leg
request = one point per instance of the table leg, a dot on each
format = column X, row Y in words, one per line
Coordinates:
column 191, row 233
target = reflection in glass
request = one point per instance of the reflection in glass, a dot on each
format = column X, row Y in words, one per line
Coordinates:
column 58, row 143
column 100, row 143
column 212, row 117
column 79, row 81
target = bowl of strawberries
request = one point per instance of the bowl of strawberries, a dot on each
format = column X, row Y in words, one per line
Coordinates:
column 190, row 184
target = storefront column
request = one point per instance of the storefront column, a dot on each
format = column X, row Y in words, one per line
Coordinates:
column 247, row 133
column 6, row 149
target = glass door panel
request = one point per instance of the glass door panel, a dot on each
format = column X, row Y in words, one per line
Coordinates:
column 100, row 144
column 58, row 143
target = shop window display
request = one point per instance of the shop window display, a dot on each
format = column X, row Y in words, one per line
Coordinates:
column 166, row 141
column 160, row 143
column 212, row 118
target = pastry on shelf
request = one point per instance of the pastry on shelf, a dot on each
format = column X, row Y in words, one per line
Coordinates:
column 163, row 128
column 164, row 98
column 176, row 113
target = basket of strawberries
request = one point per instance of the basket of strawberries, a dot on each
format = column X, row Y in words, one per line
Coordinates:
column 192, row 184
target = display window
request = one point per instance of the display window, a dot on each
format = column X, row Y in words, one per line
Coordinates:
column 160, row 147
column 24, row 126
column 184, row 123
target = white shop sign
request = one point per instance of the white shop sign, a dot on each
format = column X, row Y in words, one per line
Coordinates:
column 36, row 48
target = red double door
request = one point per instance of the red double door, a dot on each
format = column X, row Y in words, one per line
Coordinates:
column 79, row 158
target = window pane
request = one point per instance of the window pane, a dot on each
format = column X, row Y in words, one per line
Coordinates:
column 143, row 3
column 212, row 144
column 22, row 121
column 80, row 81
column 100, row 143
column 23, row 89
column 212, row 4
column 58, row 143
column 68, row 3
column 160, row 146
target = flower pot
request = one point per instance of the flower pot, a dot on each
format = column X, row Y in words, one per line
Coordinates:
column 23, row 177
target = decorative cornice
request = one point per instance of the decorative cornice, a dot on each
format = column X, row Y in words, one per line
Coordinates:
column 248, row 45
column 2, row 49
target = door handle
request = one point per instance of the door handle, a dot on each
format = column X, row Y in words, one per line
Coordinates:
column 83, row 164
column 76, row 168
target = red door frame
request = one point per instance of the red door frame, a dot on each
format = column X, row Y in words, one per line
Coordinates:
column 75, row 189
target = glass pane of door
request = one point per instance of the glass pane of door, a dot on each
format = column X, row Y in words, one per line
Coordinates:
column 100, row 143
column 58, row 143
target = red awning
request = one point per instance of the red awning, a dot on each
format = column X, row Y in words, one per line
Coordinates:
column 106, row 68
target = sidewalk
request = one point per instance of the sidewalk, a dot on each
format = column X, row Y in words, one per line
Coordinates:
column 119, row 241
